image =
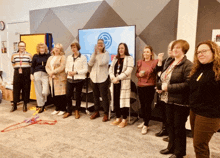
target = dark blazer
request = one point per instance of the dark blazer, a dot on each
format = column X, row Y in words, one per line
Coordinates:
column 178, row 88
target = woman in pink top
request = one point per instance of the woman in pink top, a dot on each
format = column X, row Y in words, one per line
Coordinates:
column 146, row 75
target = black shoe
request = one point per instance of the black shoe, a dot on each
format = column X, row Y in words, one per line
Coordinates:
column 24, row 107
column 166, row 139
column 166, row 151
column 41, row 109
column 14, row 107
column 163, row 132
column 175, row 156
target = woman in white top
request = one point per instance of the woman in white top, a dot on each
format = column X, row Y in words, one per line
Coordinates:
column 120, row 75
column 99, row 79
column 76, row 69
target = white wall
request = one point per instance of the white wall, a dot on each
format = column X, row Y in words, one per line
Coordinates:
column 187, row 24
column 15, row 14
column 13, row 11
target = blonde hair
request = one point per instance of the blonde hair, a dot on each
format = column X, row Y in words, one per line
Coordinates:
column 169, row 46
column 42, row 45
column 216, row 59
column 61, row 49
column 151, row 50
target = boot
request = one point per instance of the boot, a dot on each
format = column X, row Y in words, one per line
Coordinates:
column 163, row 132
column 41, row 109
column 95, row 115
column 105, row 118
column 166, row 139
column 14, row 107
column 25, row 107
column 77, row 116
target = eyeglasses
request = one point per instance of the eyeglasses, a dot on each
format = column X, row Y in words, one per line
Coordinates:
column 202, row 51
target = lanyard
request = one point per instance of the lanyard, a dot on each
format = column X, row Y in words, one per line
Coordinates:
column 20, row 58
column 169, row 69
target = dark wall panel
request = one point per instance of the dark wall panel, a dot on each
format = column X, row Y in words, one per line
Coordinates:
column 208, row 19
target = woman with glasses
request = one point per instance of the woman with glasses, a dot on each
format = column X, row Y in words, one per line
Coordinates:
column 204, row 96
column 21, row 61
column 100, row 79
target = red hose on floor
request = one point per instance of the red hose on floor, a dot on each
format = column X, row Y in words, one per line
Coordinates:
column 29, row 122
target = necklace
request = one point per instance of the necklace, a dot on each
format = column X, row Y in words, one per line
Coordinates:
column 119, row 64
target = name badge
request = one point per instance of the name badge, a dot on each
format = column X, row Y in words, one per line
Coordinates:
column 20, row 70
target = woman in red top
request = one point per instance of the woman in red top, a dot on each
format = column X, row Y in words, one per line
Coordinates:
column 146, row 75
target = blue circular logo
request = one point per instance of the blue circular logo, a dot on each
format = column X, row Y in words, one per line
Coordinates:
column 107, row 39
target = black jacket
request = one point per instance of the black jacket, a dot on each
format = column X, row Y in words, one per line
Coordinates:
column 178, row 88
column 205, row 92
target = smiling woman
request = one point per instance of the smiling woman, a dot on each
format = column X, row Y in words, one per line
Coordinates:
column 204, row 96
column 55, row 68
column 174, row 79
column 204, row 54
column 146, row 74
column 39, row 75
column 120, row 75
column 21, row 62
column 100, row 79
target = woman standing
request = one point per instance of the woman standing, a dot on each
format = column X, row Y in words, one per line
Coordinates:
column 204, row 96
column 162, row 105
column 76, row 69
column 21, row 61
column 100, row 79
column 55, row 67
column 120, row 75
column 146, row 75
column 39, row 75
column 174, row 88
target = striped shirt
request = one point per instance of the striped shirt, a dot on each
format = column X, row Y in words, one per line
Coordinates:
column 22, row 60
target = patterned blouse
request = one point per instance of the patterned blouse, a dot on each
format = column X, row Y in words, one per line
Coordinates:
column 165, row 78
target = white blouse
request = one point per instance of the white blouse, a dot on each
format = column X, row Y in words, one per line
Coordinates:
column 99, row 64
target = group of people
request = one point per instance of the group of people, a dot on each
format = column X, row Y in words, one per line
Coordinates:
column 183, row 87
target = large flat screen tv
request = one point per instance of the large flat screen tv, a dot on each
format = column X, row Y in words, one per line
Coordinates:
column 112, row 36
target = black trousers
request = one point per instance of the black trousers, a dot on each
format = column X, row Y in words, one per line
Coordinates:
column 162, row 106
column 21, row 82
column 101, row 89
column 146, row 96
column 59, row 101
column 176, row 120
column 69, row 93
column 119, row 111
